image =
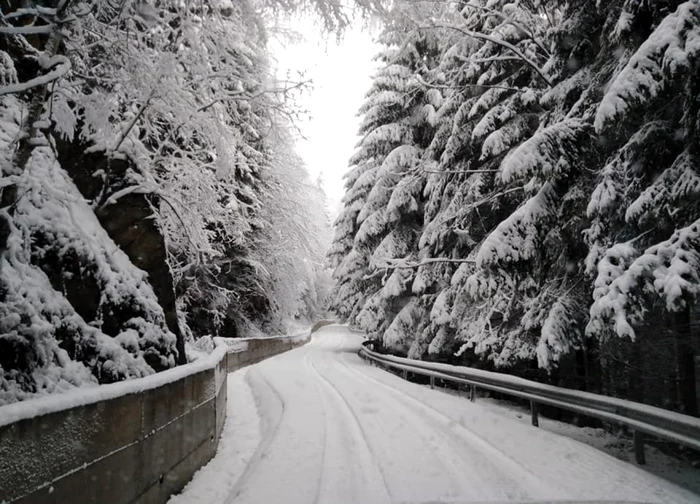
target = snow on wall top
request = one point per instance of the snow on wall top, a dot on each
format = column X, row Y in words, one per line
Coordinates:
column 83, row 396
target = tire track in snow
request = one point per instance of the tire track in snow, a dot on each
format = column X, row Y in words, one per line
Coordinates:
column 611, row 477
column 441, row 449
column 289, row 466
column 368, row 459
column 501, row 467
column 320, row 403
column 590, row 466
column 322, row 472
column 269, row 427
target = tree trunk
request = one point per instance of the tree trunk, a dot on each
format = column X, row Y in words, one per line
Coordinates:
column 685, row 361
column 29, row 134
column 636, row 383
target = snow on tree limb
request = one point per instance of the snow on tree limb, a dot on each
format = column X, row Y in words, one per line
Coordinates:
column 669, row 270
column 516, row 238
column 543, row 151
column 403, row 264
column 561, row 331
column 667, row 53
column 669, row 192
column 26, row 30
column 497, row 41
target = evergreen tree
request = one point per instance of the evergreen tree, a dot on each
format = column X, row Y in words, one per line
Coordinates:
column 558, row 196
column 381, row 217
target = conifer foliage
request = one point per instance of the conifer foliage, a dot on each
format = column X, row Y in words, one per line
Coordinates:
column 526, row 196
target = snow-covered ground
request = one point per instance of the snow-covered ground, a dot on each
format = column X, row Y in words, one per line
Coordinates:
column 318, row 425
column 679, row 469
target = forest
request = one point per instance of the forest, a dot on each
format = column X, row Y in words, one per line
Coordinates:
column 151, row 194
column 525, row 196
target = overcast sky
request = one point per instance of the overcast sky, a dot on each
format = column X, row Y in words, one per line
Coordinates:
column 342, row 75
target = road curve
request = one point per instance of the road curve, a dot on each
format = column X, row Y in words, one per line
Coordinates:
column 332, row 429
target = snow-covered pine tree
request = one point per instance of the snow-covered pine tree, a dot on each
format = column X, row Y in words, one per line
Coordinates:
column 383, row 109
column 381, row 219
column 562, row 176
column 644, row 248
column 495, row 72
column 347, row 264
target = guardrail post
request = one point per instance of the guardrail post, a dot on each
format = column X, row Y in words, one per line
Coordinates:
column 472, row 393
column 405, row 374
column 432, row 382
column 639, row 448
column 534, row 414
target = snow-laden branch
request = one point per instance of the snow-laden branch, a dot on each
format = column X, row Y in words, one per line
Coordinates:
column 483, row 201
column 403, row 264
column 509, row 20
column 26, row 30
column 36, row 10
column 59, row 71
column 422, row 82
column 134, row 189
column 133, row 121
column 493, row 40
column 8, row 181
column 242, row 95
column 447, row 172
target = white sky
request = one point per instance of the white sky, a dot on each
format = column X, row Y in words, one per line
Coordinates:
column 341, row 75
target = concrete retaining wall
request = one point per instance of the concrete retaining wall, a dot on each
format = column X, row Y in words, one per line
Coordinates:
column 133, row 442
column 259, row 349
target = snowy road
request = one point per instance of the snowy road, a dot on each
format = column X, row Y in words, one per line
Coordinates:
column 328, row 428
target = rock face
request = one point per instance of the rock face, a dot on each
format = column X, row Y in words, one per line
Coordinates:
column 74, row 310
column 129, row 221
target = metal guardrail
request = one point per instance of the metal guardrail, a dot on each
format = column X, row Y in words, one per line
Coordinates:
column 642, row 418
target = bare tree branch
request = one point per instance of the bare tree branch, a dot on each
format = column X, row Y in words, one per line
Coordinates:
column 398, row 264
